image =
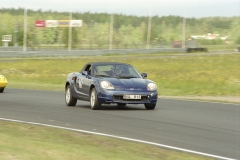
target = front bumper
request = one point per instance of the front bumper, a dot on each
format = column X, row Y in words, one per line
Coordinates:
column 113, row 96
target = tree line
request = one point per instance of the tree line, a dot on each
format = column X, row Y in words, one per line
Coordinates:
column 128, row 31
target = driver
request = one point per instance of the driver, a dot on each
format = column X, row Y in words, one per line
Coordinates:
column 118, row 70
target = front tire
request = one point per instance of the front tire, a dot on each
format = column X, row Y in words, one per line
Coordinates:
column 69, row 99
column 94, row 103
column 1, row 90
column 150, row 106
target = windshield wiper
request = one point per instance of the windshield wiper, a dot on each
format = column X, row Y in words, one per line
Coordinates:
column 126, row 77
column 102, row 75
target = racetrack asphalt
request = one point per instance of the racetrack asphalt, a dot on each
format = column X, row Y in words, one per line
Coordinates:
column 224, row 99
column 212, row 128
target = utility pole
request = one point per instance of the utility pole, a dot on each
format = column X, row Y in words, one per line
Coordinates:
column 15, row 32
column 149, row 32
column 184, row 28
column 70, row 32
column 149, row 26
column 184, row 32
column 111, row 32
column 25, row 30
column 111, row 26
column 91, row 24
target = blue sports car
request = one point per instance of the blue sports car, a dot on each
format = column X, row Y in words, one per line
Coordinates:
column 110, row 82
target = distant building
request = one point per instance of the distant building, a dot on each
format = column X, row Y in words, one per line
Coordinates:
column 192, row 39
column 207, row 36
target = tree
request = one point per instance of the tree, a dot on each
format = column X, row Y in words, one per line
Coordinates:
column 129, row 30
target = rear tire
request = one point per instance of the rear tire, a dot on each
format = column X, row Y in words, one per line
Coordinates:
column 150, row 106
column 1, row 90
column 94, row 103
column 69, row 99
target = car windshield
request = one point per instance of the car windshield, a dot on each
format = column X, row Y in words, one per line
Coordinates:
column 115, row 71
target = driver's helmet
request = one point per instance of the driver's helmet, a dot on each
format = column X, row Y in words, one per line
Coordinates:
column 118, row 70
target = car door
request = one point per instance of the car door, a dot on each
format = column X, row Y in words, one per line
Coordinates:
column 86, row 80
column 78, row 83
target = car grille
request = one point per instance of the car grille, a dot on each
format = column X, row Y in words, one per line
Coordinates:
column 144, row 98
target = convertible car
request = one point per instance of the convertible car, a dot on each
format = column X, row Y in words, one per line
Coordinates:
column 3, row 83
column 110, row 82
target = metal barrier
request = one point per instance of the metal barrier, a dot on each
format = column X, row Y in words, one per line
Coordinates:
column 64, row 52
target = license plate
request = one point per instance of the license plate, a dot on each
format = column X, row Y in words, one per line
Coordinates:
column 127, row 96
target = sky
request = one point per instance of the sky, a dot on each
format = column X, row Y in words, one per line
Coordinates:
column 183, row 8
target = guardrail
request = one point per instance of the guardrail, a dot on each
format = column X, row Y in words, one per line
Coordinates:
column 64, row 52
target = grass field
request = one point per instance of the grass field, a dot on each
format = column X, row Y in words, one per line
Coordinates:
column 31, row 142
column 175, row 75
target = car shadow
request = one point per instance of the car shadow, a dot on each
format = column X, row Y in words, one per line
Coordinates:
column 115, row 107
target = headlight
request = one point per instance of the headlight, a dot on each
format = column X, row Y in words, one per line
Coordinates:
column 106, row 85
column 151, row 86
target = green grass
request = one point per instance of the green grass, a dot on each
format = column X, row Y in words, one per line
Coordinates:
column 220, row 46
column 175, row 75
column 26, row 142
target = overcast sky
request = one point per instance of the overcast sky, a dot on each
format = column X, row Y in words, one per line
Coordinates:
column 187, row 8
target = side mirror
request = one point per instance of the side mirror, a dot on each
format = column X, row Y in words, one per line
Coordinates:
column 85, row 73
column 144, row 75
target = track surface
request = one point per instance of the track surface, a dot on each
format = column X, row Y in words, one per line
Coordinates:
column 212, row 128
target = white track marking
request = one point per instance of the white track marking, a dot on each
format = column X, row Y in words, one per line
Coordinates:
column 124, row 138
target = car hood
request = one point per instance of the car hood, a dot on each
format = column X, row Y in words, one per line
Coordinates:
column 136, row 83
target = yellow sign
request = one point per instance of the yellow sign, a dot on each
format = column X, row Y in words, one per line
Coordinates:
column 63, row 23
